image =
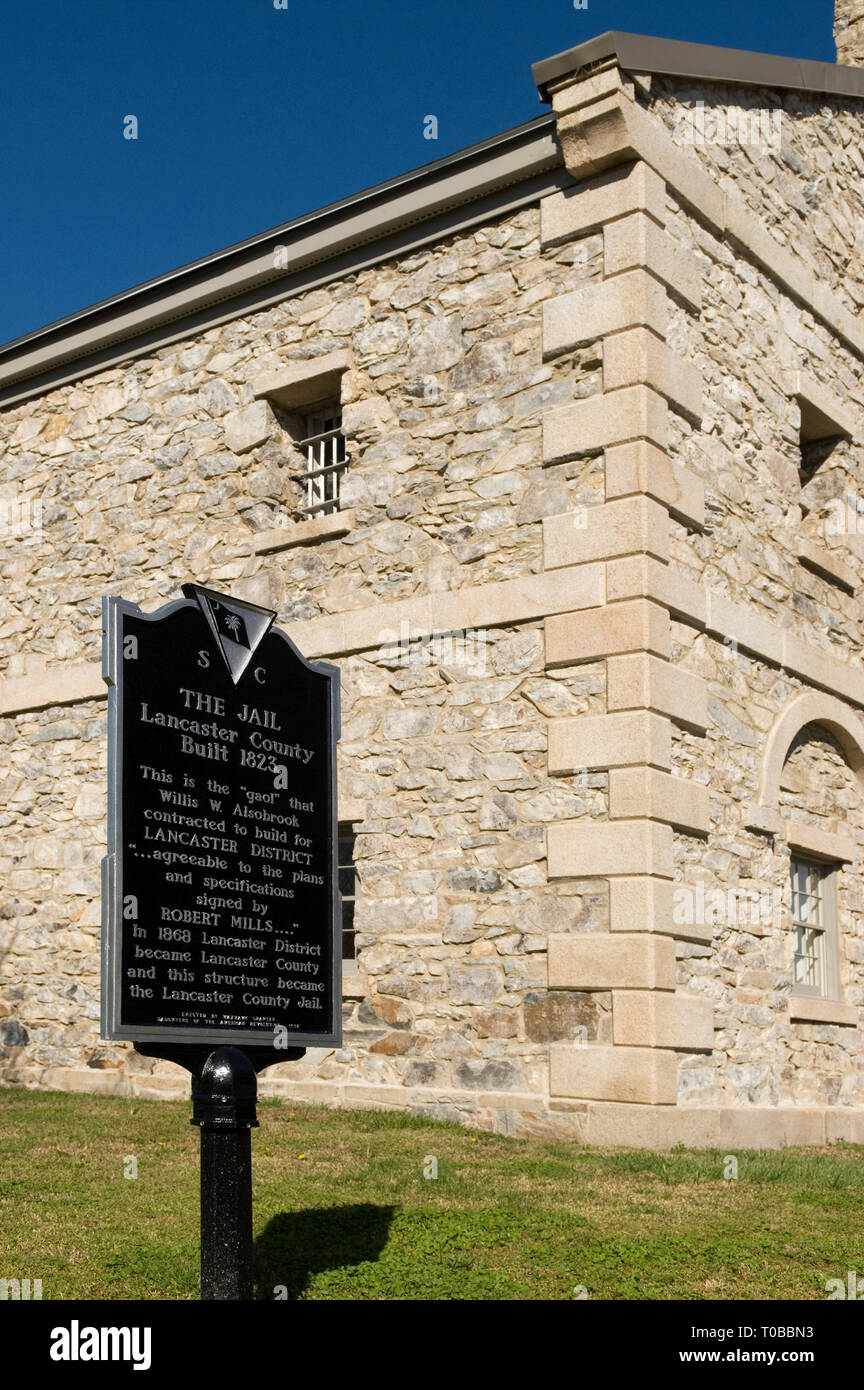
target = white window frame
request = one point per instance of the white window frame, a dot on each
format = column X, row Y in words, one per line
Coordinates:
column 814, row 925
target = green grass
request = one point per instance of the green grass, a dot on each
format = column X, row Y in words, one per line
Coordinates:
column 343, row 1210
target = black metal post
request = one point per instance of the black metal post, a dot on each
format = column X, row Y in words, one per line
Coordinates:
column 223, row 1101
column 224, row 1092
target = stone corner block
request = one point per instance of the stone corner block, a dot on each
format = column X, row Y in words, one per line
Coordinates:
column 637, row 241
column 591, row 425
column 640, row 466
column 641, row 576
column 586, row 207
column 640, row 905
column 606, row 960
column 601, row 307
column 639, row 681
column 593, row 742
column 637, row 1075
column 657, row 905
column 645, row 791
column 638, row 357
column 604, row 849
column 632, row 525
column 597, row 136
column 645, row 1018
column 602, row 81
column 589, row 635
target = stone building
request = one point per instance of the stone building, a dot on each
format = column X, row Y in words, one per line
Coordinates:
column 588, row 552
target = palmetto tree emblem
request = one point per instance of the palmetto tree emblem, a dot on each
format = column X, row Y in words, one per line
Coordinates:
column 230, row 624
column 237, row 627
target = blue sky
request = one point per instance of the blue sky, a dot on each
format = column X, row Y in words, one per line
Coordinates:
column 249, row 115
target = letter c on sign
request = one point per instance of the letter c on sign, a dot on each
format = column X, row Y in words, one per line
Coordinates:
column 260, row 674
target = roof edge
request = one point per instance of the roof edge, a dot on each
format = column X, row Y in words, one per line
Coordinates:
column 502, row 172
column 701, row 62
column 414, row 178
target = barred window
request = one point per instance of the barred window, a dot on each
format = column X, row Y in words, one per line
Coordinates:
column 323, row 444
column 814, row 927
column 347, row 889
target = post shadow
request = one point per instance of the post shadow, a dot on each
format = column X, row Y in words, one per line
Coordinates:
column 296, row 1245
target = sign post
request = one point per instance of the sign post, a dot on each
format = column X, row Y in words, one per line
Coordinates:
column 221, row 928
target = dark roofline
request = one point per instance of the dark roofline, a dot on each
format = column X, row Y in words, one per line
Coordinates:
column 701, row 62
column 484, row 180
column 367, row 197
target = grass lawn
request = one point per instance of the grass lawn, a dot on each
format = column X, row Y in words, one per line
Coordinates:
column 343, row 1210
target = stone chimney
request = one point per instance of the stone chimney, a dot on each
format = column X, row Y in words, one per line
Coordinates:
column 849, row 32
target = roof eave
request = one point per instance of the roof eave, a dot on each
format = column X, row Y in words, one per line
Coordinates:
column 699, row 62
column 484, row 179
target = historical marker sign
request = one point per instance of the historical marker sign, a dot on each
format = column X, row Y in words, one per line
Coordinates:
column 221, row 918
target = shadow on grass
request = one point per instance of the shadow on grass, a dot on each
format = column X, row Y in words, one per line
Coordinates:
column 294, row 1246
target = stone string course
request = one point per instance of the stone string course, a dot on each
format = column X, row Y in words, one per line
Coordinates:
column 601, row 388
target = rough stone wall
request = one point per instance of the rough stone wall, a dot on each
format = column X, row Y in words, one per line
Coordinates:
column 454, row 907
column 823, row 1062
column 474, row 410
column 739, row 882
column 52, row 812
column 748, row 452
column 796, row 160
column 849, row 32
column 762, row 594
column 748, row 449
column 140, row 490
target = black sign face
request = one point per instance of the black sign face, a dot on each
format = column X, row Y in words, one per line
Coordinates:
column 221, row 917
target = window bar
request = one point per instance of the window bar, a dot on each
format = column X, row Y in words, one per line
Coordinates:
column 323, row 469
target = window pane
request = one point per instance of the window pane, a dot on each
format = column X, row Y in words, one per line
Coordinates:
column 811, row 941
column 807, row 968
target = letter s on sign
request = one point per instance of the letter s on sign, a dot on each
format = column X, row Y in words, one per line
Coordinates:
column 204, row 660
